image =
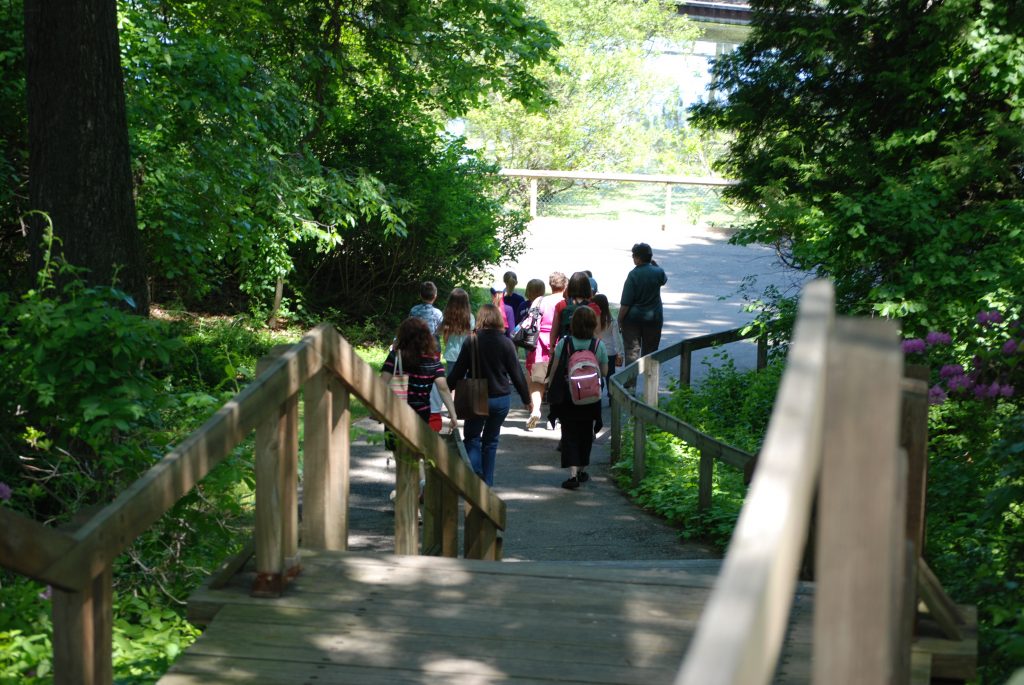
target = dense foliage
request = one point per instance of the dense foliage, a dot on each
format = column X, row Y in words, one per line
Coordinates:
column 299, row 144
column 881, row 144
column 729, row 405
column 608, row 102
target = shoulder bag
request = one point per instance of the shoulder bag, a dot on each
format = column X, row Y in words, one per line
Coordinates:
column 399, row 381
column 471, row 394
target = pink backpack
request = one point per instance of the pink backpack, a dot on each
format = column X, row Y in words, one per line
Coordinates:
column 583, row 373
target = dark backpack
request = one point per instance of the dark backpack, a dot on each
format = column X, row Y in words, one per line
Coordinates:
column 566, row 320
column 526, row 332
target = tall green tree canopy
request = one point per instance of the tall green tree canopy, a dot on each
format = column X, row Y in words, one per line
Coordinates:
column 270, row 141
column 882, row 144
column 603, row 90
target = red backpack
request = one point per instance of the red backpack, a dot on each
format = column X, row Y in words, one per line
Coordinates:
column 583, row 372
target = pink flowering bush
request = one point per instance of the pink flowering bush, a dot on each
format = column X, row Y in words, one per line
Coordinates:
column 995, row 350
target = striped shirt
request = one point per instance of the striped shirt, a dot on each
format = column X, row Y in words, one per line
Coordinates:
column 421, row 380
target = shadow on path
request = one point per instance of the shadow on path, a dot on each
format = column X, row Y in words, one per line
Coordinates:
column 545, row 522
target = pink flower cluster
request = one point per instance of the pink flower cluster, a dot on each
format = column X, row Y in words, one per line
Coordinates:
column 996, row 367
column 990, row 317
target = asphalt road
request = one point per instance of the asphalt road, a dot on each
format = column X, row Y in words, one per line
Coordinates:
column 705, row 273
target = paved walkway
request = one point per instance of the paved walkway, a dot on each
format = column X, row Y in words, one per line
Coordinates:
column 705, row 273
column 545, row 522
column 597, row 522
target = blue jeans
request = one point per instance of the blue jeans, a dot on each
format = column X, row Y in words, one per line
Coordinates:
column 482, row 453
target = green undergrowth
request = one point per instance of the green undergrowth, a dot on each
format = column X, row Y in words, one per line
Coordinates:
column 975, row 507
column 104, row 395
column 730, row 405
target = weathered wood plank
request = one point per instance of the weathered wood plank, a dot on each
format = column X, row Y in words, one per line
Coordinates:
column 742, row 629
column 407, row 494
column 360, row 378
column 325, row 463
column 861, row 511
column 29, row 548
column 114, row 528
column 455, row 620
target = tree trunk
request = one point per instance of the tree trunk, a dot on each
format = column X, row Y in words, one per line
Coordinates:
column 79, row 159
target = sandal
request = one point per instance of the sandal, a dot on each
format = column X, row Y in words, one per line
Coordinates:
column 531, row 422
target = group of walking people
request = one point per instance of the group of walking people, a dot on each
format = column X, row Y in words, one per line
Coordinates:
column 573, row 322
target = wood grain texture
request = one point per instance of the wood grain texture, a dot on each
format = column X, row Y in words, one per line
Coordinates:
column 742, row 628
column 862, row 508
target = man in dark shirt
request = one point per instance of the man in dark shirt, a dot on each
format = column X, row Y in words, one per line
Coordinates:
column 640, row 311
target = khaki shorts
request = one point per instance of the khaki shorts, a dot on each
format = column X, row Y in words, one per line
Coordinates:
column 539, row 372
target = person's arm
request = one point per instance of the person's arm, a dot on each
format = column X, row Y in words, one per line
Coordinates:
column 620, row 355
column 556, row 356
column 556, row 323
column 449, row 402
column 623, row 310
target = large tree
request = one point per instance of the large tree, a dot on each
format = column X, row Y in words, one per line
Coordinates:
column 79, row 164
column 881, row 144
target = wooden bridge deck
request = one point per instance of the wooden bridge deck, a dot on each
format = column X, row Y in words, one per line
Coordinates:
column 365, row 618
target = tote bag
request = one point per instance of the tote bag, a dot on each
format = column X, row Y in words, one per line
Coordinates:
column 399, row 382
column 471, row 393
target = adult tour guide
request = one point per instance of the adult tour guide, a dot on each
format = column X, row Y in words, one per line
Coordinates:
column 640, row 311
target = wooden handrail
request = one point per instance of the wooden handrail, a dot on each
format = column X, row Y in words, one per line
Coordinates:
column 79, row 564
column 744, row 621
column 644, row 409
column 360, row 378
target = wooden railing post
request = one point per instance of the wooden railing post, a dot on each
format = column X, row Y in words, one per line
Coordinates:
column 83, row 633
column 861, row 547
column 481, row 537
column 440, row 516
column 290, row 487
column 914, row 439
column 705, row 480
column 648, row 393
column 407, row 495
column 668, row 204
column 615, row 448
column 533, row 198
column 762, row 351
column 685, row 364
column 325, row 463
column 272, row 453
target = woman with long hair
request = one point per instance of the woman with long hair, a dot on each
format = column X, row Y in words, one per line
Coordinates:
column 608, row 332
column 498, row 363
column 577, row 294
column 418, row 349
column 457, row 324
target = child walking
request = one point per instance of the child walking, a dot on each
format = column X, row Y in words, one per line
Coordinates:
column 608, row 333
column 458, row 323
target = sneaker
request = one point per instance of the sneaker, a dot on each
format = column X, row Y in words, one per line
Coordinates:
column 583, row 476
column 571, row 483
